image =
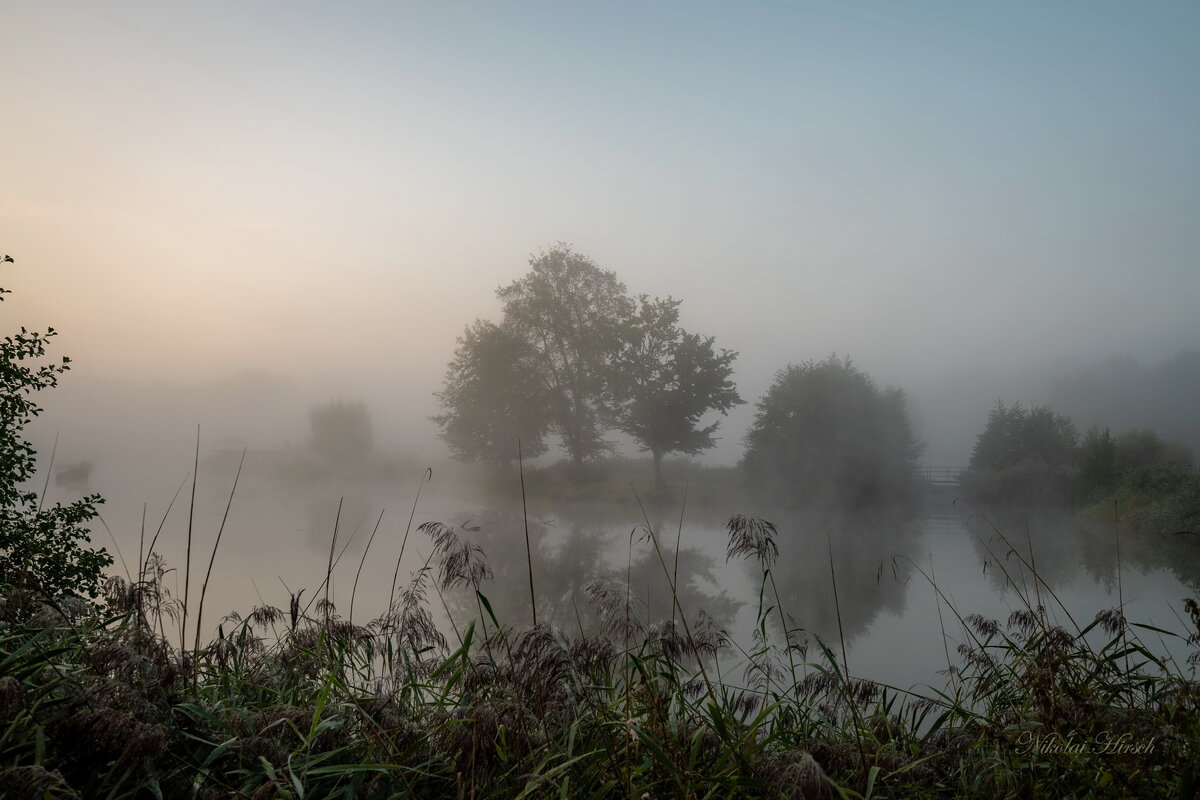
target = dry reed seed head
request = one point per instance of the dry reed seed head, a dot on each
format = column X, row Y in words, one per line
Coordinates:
column 464, row 565
column 763, row 672
column 983, row 627
column 593, row 657
column 443, row 536
column 1024, row 621
column 539, row 648
column 34, row 780
column 294, row 609
column 414, row 593
column 710, row 637
column 12, row 696
column 119, row 595
column 266, row 615
column 754, row 537
column 797, row 639
column 618, row 608
column 817, row 684
column 415, row 629
column 864, row 691
column 796, row 775
column 668, row 638
column 742, row 704
column 1112, row 620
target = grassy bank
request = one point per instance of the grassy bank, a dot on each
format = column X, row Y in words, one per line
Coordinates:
column 303, row 702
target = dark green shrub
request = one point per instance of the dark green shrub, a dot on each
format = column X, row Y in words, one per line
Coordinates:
column 1024, row 457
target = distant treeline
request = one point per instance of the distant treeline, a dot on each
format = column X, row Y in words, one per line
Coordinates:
column 1036, row 457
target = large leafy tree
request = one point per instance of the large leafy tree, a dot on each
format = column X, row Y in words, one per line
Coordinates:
column 825, row 433
column 664, row 380
column 568, row 312
column 494, row 397
column 42, row 549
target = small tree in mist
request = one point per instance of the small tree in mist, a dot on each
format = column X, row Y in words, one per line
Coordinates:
column 42, row 550
column 665, row 379
column 825, row 433
column 341, row 432
column 494, row 396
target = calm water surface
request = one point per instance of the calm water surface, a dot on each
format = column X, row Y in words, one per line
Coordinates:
column 278, row 535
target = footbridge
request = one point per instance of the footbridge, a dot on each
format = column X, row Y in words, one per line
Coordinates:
column 942, row 477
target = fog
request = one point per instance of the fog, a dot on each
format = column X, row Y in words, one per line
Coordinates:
column 234, row 214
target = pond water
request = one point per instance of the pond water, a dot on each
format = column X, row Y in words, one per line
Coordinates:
column 277, row 539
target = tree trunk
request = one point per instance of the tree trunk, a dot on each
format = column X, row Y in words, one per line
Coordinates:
column 658, row 478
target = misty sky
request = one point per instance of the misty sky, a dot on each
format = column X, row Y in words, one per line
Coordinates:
column 331, row 191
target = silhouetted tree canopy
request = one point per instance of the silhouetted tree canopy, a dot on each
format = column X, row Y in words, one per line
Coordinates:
column 665, row 379
column 494, row 395
column 825, row 433
column 1023, row 456
column 567, row 311
column 574, row 355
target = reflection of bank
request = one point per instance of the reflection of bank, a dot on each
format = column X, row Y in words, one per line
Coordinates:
column 1013, row 543
column 580, row 546
column 858, row 549
column 577, row 548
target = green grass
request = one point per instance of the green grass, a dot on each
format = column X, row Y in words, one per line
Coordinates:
column 97, row 702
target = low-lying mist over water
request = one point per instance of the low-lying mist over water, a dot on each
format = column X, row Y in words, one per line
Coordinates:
column 592, row 527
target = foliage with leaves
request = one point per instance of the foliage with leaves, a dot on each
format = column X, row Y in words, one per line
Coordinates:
column 567, row 311
column 575, row 356
column 41, row 549
column 664, row 380
column 494, row 397
column 825, row 433
column 1024, row 456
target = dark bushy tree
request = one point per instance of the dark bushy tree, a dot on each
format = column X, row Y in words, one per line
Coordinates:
column 1024, row 456
column 665, row 379
column 825, row 433
column 42, row 550
column 494, row 396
